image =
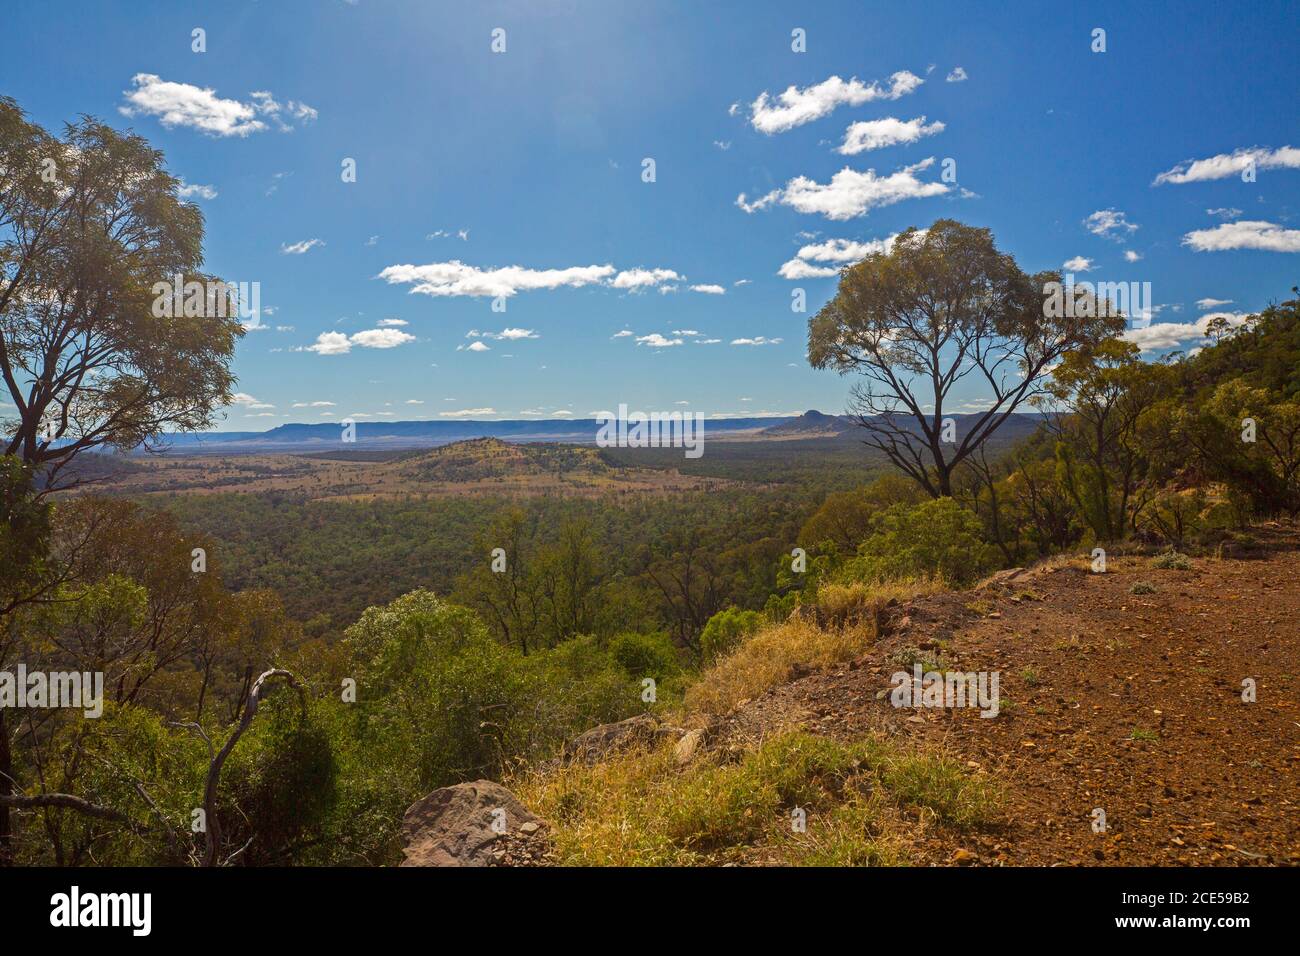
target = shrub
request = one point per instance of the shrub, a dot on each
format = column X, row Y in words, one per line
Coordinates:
column 1172, row 561
column 645, row 655
column 1142, row 587
column 937, row 538
column 726, row 629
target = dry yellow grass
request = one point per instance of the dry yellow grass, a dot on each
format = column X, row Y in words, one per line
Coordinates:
column 837, row 627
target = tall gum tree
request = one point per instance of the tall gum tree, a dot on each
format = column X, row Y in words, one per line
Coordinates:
column 942, row 305
column 90, row 222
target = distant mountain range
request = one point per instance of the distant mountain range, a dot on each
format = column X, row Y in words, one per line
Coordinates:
column 327, row 436
column 421, row 434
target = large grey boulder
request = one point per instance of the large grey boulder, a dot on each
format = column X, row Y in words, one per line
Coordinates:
column 466, row 825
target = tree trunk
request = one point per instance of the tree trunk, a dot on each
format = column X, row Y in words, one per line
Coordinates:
column 6, row 789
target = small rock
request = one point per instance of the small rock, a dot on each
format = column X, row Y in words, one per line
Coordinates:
column 687, row 747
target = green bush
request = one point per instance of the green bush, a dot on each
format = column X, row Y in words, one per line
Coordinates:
column 645, row 655
column 937, row 538
column 726, row 629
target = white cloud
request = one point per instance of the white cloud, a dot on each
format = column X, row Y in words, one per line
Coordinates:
column 1244, row 234
column 475, row 347
column 642, row 278
column 298, row 248
column 469, row 413
column 248, row 401
column 800, row 269
column 392, row 323
column 1131, row 256
column 758, row 340
column 188, row 190
column 1109, row 224
column 877, row 134
column 797, row 106
column 1212, row 303
column 849, row 193
column 1169, row 335
column 331, row 343
column 415, row 401
column 622, row 334
column 457, row 279
column 724, row 146
column 958, row 75
column 1224, row 212
column 336, row 343
column 313, row 404
column 381, row 338
column 1077, row 264
column 1230, row 164
column 181, row 104
column 709, row 289
column 506, row 334
column 837, row 252
column 655, row 340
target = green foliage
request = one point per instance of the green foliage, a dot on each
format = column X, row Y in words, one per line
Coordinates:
column 726, row 629
column 1172, row 561
column 938, row 538
column 645, row 655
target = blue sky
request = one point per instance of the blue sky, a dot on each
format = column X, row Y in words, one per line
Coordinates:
column 533, row 158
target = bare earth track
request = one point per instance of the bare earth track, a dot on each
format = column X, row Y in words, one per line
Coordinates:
column 1131, row 703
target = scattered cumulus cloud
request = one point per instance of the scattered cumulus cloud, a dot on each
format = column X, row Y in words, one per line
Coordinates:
column 796, row 106
column 709, row 289
column 1109, row 224
column 298, row 248
column 877, row 134
column 644, row 278
column 381, row 338
column 337, row 343
column 849, row 193
column 1170, row 335
column 1244, row 234
column 1230, row 164
column 824, row 259
column 1212, row 303
column 200, row 108
column 1077, row 264
column 190, row 190
column 655, row 340
column 455, row 278
column 757, row 340
column 958, row 75
column 508, row 335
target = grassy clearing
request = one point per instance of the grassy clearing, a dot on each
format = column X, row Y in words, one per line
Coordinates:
column 641, row 810
column 841, row 624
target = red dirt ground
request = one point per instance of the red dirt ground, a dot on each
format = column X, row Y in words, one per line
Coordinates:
column 1127, row 702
